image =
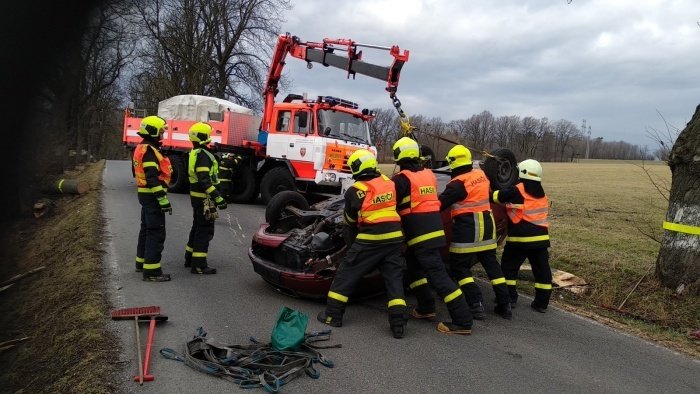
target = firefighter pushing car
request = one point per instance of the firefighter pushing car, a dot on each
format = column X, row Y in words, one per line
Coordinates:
column 528, row 233
column 473, row 232
column 419, row 208
column 372, row 221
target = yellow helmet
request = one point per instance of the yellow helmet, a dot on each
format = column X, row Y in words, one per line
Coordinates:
column 361, row 161
column 152, row 126
column 406, row 148
column 459, row 156
column 530, row 169
column 200, row 133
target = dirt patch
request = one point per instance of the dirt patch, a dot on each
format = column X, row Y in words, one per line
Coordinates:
column 62, row 309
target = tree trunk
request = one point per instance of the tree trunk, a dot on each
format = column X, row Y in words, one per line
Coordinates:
column 678, row 263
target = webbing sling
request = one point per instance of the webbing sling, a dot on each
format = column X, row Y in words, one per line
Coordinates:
column 254, row 365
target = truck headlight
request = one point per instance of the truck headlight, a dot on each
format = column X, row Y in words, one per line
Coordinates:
column 329, row 177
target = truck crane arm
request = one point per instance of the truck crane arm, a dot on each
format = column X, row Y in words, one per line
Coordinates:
column 327, row 53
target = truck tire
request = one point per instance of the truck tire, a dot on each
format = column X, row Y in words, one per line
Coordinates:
column 276, row 180
column 245, row 186
column 502, row 171
column 179, row 181
column 279, row 220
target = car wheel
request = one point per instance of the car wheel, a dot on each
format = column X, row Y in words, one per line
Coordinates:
column 178, row 179
column 502, row 170
column 276, row 180
column 276, row 215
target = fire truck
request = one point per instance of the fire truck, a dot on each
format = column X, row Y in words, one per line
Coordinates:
column 299, row 143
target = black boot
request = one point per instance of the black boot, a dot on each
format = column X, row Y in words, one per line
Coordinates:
column 504, row 311
column 203, row 271
column 157, row 278
column 477, row 311
column 398, row 331
column 325, row 318
column 538, row 308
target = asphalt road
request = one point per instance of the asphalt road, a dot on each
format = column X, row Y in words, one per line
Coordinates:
column 554, row 352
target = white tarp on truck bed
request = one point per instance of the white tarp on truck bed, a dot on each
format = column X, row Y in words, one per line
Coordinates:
column 197, row 108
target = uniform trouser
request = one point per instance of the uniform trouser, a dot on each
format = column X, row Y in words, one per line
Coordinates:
column 513, row 257
column 151, row 236
column 461, row 264
column 425, row 267
column 361, row 259
column 225, row 188
column 201, row 233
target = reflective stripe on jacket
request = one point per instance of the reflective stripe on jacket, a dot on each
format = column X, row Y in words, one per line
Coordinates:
column 192, row 170
column 534, row 211
column 477, row 186
column 377, row 219
column 163, row 166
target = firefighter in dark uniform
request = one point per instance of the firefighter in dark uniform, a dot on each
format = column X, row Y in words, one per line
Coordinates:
column 229, row 161
column 419, row 208
column 371, row 219
column 528, row 233
column 473, row 232
column 203, row 170
column 152, row 171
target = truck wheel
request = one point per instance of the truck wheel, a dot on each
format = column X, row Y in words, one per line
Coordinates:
column 277, row 217
column 274, row 181
column 245, row 187
column 178, row 180
column 502, row 170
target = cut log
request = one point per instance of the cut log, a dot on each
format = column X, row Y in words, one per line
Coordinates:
column 66, row 186
column 43, row 207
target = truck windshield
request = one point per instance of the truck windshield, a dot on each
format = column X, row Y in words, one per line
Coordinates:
column 342, row 125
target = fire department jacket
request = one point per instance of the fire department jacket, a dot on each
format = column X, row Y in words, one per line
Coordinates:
column 370, row 211
column 472, row 232
column 419, row 207
column 151, row 169
column 523, row 233
column 203, row 171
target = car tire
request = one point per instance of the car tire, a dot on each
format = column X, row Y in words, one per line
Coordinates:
column 275, row 214
column 276, row 180
column 502, row 170
column 179, row 181
column 245, row 186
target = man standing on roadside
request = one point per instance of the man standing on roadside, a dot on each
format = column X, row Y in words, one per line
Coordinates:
column 152, row 171
column 203, row 171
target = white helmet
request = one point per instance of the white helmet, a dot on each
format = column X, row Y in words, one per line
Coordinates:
column 530, row 169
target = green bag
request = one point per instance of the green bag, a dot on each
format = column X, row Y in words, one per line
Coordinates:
column 290, row 329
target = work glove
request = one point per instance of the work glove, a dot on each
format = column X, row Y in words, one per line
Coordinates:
column 220, row 202
column 164, row 204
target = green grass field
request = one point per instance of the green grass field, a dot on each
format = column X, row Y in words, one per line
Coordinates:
column 604, row 217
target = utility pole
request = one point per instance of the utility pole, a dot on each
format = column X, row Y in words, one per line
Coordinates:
column 588, row 141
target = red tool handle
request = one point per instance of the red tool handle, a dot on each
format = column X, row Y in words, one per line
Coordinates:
column 147, row 355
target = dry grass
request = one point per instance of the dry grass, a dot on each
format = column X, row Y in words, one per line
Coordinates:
column 63, row 308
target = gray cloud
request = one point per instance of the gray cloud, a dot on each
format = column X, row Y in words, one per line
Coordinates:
column 613, row 63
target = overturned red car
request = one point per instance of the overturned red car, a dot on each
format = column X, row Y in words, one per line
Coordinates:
column 300, row 247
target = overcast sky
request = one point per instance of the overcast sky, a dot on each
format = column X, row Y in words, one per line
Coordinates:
column 611, row 62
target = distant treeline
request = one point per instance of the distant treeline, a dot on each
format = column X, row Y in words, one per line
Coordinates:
column 528, row 137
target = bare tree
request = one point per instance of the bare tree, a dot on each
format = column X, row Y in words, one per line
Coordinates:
column 209, row 47
column 383, row 130
column 678, row 262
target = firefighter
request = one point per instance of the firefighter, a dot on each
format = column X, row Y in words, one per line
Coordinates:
column 419, row 208
column 203, row 172
column 229, row 162
column 152, row 171
column 528, row 233
column 473, row 232
column 372, row 222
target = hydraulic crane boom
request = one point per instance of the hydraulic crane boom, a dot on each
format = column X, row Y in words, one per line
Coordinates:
column 327, row 53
